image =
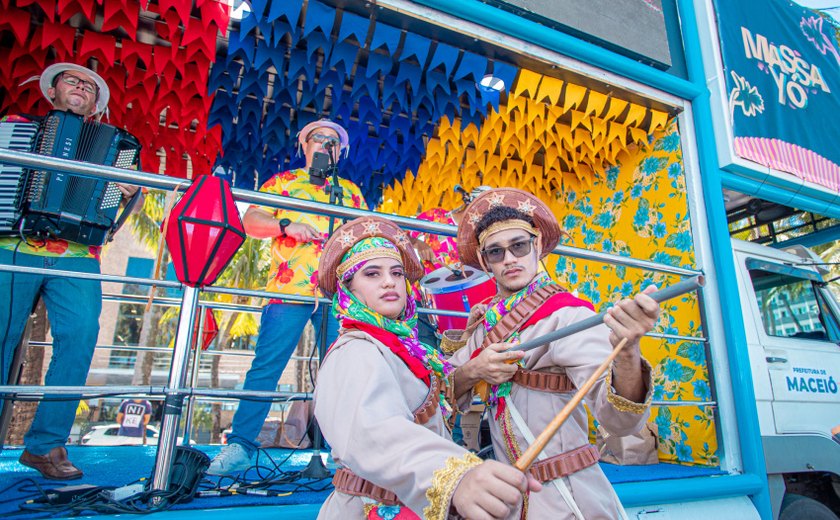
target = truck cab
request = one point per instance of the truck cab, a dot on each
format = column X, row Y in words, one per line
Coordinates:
column 793, row 331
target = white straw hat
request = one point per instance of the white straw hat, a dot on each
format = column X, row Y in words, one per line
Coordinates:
column 50, row 73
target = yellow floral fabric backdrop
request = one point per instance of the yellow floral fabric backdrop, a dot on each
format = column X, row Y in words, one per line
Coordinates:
column 613, row 175
column 638, row 208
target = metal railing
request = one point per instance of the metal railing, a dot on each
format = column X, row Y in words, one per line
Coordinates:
column 278, row 201
column 178, row 388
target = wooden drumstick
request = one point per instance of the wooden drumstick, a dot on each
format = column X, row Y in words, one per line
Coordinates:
column 534, row 449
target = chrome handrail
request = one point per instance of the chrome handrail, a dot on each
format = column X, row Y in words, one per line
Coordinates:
column 138, row 348
column 20, row 392
column 91, row 276
column 177, row 285
column 149, row 180
column 37, row 392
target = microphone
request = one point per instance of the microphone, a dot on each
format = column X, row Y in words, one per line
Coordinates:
column 464, row 193
column 329, row 145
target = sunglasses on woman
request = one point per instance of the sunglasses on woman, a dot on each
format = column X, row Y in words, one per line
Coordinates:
column 496, row 254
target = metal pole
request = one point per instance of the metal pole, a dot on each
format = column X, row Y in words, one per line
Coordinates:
column 89, row 276
column 174, row 400
column 316, row 469
column 197, row 343
column 149, row 180
column 678, row 289
column 34, row 392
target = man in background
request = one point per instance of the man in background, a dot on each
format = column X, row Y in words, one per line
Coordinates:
column 297, row 239
column 133, row 416
column 436, row 251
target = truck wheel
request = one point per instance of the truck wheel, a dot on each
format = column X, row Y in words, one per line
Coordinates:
column 798, row 507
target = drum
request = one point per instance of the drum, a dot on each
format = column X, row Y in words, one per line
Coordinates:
column 456, row 291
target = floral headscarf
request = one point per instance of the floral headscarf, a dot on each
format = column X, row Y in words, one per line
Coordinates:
column 347, row 306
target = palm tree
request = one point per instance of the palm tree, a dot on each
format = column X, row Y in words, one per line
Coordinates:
column 33, row 372
column 145, row 226
column 830, row 253
column 249, row 269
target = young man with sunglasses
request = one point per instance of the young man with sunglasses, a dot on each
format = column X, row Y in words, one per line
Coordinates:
column 507, row 232
column 297, row 239
column 73, row 304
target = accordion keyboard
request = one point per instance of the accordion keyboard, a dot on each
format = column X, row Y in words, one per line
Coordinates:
column 16, row 136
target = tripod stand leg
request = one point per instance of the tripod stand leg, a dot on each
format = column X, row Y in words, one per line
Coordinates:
column 316, row 468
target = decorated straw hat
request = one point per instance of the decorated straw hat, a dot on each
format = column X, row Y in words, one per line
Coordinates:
column 544, row 221
column 48, row 77
column 365, row 227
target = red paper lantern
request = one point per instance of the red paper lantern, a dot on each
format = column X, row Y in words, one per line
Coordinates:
column 204, row 231
column 211, row 330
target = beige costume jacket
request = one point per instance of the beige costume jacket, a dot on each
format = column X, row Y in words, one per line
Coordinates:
column 578, row 356
column 365, row 398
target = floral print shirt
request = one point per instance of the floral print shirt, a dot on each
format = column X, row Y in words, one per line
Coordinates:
column 294, row 266
column 444, row 247
column 45, row 247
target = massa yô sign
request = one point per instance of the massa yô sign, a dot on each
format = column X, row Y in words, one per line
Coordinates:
column 782, row 71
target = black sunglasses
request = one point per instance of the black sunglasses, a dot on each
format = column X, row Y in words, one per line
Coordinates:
column 519, row 249
column 321, row 138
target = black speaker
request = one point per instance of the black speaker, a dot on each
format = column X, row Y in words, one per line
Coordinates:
column 189, row 466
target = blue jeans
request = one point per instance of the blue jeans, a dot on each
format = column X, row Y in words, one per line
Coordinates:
column 281, row 326
column 73, row 307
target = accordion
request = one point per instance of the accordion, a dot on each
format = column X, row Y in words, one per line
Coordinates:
column 53, row 204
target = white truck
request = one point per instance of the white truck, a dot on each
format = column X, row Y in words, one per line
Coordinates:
column 792, row 328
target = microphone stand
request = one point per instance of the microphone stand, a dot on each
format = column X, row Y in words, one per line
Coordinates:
column 316, row 469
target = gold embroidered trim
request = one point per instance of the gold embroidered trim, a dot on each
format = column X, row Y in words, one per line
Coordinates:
column 368, row 508
column 449, row 395
column 366, row 255
column 451, row 341
column 512, row 450
column 444, row 481
column 449, row 391
column 623, row 404
column 505, row 225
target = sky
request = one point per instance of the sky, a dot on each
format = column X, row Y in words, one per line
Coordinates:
column 831, row 7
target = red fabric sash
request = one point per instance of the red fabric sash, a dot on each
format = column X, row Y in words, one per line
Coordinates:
column 390, row 340
column 555, row 302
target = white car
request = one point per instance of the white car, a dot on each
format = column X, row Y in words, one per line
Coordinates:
column 108, row 435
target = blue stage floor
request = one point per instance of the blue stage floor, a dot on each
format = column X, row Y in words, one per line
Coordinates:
column 121, row 465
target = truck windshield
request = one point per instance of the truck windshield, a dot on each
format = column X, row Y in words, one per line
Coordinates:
column 789, row 306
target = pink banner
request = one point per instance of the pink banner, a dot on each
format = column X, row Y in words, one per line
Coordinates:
column 790, row 158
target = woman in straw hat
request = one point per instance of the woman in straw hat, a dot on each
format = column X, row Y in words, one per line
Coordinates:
column 381, row 397
column 507, row 232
